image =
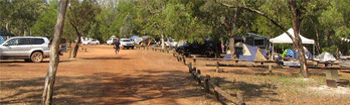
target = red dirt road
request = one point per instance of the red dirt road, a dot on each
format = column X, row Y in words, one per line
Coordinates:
column 99, row 76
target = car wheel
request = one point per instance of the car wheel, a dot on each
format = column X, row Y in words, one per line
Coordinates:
column 36, row 57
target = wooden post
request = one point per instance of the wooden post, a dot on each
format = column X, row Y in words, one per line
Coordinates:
column 270, row 68
column 216, row 94
column 193, row 71
column 206, row 83
column 194, row 61
column 199, row 79
column 184, row 60
column 217, row 67
column 190, row 67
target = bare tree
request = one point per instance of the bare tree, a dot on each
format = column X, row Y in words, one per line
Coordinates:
column 51, row 74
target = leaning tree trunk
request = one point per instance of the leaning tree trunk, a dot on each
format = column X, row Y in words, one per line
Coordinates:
column 51, row 74
column 298, row 42
column 76, row 48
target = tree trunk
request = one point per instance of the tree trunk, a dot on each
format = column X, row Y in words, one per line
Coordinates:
column 297, row 41
column 51, row 74
column 162, row 41
column 318, row 41
column 76, row 48
column 232, row 46
column 7, row 27
column 168, row 42
column 70, row 49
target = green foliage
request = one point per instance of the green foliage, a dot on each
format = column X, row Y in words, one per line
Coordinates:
column 44, row 26
column 326, row 21
column 82, row 16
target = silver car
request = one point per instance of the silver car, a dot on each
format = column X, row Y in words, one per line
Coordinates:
column 30, row 48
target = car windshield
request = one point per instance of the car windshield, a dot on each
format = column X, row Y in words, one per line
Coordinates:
column 125, row 40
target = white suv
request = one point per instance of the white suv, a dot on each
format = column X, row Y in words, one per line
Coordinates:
column 126, row 43
column 30, row 48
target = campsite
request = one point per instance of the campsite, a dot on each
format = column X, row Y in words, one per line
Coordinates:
column 174, row 52
column 95, row 78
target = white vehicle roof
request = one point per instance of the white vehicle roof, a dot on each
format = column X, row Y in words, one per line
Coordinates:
column 124, row 39
column 27, row 37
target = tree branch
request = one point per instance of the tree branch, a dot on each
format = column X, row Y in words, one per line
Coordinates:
column 260, row 13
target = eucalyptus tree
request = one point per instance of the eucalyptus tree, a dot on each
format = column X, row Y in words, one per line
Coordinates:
column 334, row 21
column 105, row 20
column 181, row 23
column 233, row 21
column 46, row 21
column 124, row 19
column 81, row 16
column 51, row 74
column 298, row 10
column 19, row 15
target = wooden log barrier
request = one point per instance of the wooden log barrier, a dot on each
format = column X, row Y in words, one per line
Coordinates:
column 206, row 84
column 215, row 85
column 189, row 66
column 216, row 94
column 217, row 66
column 226, row 95
column 194, row 61
column 184, row 59
column 199, row 79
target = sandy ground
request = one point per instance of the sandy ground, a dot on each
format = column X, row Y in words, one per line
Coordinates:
column 99, row 76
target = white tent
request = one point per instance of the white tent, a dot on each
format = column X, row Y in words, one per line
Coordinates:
column 284, row 38
column 324, row 57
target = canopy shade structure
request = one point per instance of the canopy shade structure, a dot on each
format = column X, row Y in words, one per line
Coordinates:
column 284, row 38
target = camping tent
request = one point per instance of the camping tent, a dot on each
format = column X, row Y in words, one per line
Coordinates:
column 324, row 57
column 133, row 37
column 288, row 52
column 249, row 53
column 284, row 38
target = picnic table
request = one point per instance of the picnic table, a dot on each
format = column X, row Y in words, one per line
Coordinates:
column 328, row 63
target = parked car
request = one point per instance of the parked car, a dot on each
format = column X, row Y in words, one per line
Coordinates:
column 87, row 40
column 126, row 43
column 94, row 42
column 111, row 41
column 172, row 43
column 29, row 48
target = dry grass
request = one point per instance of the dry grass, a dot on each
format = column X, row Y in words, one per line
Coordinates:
column 284, row 86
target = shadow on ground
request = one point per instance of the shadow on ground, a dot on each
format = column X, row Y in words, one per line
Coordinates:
column 106, row 58
column 102, row 88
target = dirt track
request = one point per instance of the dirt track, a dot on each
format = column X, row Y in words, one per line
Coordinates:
column 99, row 76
